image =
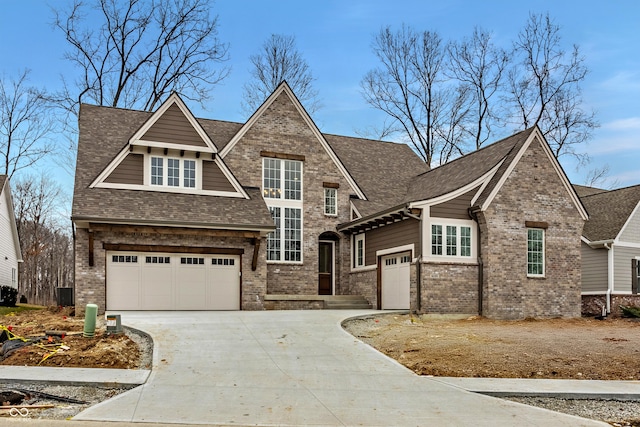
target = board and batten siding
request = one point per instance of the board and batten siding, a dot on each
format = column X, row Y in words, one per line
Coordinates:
column 213, row 179
column 398, row 234
column 129, row 171
column 8, row 258
column 622, row 257
column 457, row 208
column 594, row 269
column 631, row 233
column 173, row 127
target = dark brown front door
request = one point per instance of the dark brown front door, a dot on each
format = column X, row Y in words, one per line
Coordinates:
column 325, row 268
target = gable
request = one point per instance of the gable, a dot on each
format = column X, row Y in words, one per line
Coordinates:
column 544, row 157
column 457, row 208
column 631, row 230
column 281, row 121
column 173, row 127
column 170, row 138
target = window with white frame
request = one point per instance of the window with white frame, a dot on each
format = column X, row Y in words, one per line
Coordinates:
column 330, row 201
column 358, row 251
column 282, row 190
column 177, row 173
column 535, row 252
column 14, row 275
column 451, row 240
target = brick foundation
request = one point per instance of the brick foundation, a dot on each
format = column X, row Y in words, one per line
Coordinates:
column 592, row 304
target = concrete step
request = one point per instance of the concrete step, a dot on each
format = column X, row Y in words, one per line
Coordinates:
column 346, row 302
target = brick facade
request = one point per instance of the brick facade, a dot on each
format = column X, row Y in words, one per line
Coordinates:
column 91, row 280
column 282, row 129
column 449, row 288
column 592, row 304
column 507, row 292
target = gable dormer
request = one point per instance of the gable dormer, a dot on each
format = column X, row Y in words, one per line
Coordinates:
column 172, row 153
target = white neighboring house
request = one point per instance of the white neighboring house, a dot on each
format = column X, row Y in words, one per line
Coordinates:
column 10, row 253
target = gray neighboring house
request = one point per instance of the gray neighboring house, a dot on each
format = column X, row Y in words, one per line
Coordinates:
column 610, row 249
column 10, row 253
column 174, row 212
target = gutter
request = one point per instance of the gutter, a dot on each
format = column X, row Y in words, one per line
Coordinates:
column 609, row 275
column 473, row 213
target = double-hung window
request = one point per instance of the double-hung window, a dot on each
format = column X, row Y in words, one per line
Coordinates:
column 282, row 191
column 330, row 201
column 358, row 251
column 173, row 172
column 451, row 240
column 535, row 252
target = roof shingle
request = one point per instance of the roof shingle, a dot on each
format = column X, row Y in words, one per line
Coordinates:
column 608, row 212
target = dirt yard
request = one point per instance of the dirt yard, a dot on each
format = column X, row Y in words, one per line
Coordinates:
column 477, row 347
column 72, row 350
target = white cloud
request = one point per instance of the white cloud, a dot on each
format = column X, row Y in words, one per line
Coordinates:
column 628, row 124
column 623, row 81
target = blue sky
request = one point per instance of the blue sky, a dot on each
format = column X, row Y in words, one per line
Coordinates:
column 335, row 38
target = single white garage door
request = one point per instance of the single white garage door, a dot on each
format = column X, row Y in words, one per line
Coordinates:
column 395, row 281
column 163, row 281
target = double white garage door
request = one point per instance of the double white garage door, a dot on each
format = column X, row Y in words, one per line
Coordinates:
column 163, row 281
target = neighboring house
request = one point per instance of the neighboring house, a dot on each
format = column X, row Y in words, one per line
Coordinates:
column 177, row 213
column 610, row 249
column 10, row 254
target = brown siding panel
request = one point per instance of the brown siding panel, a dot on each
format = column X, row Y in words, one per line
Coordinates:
column 213, row 179
column 398, row 234
column 173, row 127
column 129, row 171
column 456, row 208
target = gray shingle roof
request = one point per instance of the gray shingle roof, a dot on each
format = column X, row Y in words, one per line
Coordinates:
column 608, row 212
column 3, row 178
column 103, row 133
column 382, row 170
column 583, row 190
column 466, row 169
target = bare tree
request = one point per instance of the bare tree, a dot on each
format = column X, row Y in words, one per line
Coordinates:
column 598, row 177
column 140, row 52
column 46, row 248
column 279, row 60
column 410, row 86
column 479, row 65
column 25, row 125
column 544, row 87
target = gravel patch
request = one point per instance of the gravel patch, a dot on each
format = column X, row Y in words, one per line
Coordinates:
column 614, row 412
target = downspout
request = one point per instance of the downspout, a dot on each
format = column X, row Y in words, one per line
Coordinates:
column 473, row 213
column 418, row 262
column 609, row 276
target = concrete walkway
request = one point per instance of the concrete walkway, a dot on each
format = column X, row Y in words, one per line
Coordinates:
column 292, row 368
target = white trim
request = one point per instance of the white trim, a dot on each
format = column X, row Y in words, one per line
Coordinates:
column 544, row 254
column 354, row 253
column 354, row 209
column 284, row 87
column 444, row 222
column 6, row 189
column 335, row 199
column 111, row 167
column 398, row 249
column 172, row 146
column 166, row 189
column 482, row 181
column 536, row 134
column 626, row 224
column 604, row 293
column 627, row 245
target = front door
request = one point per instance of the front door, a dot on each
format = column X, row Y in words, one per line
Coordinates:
column 325, row 268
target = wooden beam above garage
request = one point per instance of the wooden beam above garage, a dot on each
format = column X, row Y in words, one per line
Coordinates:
column 182, row 231
column 172, row 249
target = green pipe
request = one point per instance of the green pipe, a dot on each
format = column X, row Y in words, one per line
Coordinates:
column 90, row 316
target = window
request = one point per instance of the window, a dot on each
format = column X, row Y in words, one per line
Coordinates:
column 189, row 173
column 156, row 171
column 14, row 273
column 192, row 260
column 223, row 261
column 359, row 258
column 282, row 190
column 176, row 174
column 330, row 201
column 124, row 258
column 454, row 242
column 157, row 260
column 436, row 239
column 535, row 252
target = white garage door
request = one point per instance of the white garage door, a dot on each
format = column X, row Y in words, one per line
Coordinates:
column 162, row 281
column 395, row 281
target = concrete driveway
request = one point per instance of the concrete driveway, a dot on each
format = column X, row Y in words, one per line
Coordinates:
column 292, row 368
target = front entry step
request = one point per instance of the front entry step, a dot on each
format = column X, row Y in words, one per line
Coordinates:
column 346, row 302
